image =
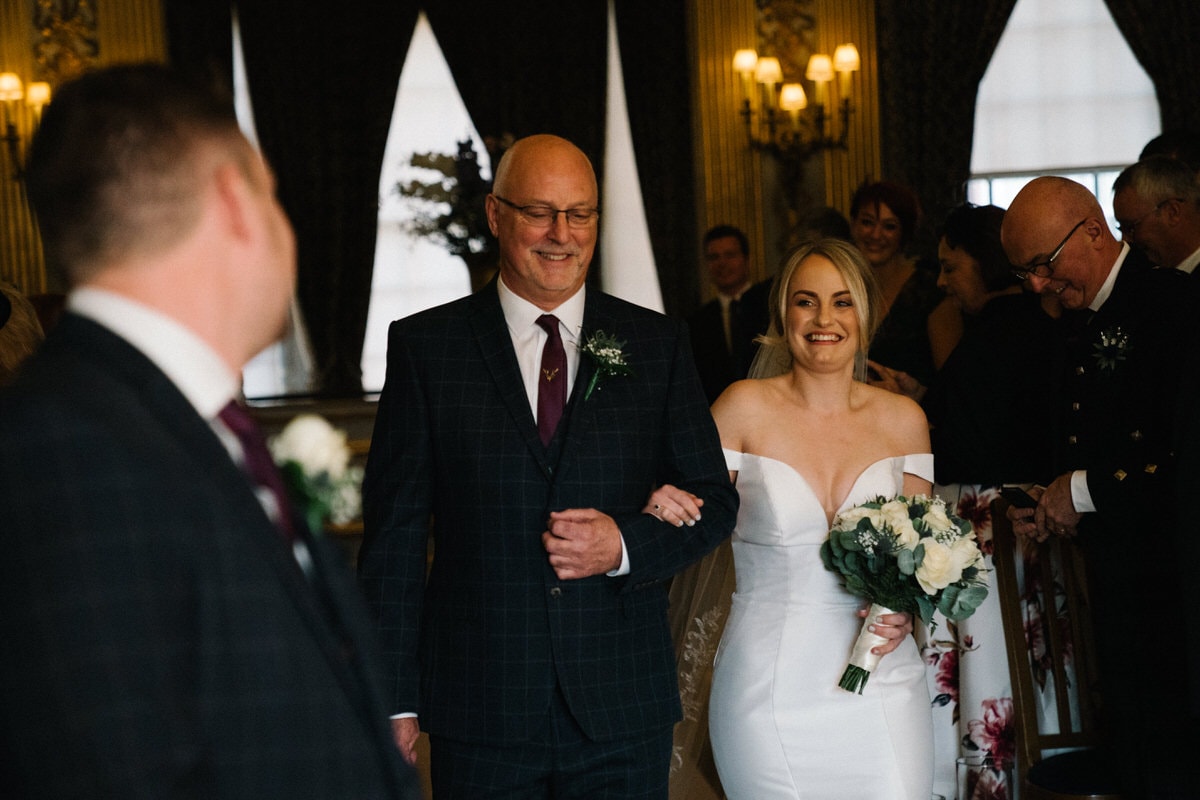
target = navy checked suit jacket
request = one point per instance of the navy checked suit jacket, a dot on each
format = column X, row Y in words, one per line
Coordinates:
column 479, row 648
column 160, row 639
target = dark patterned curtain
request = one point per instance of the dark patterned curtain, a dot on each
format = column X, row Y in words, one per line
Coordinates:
column 1162, row 35
column 932, row 56
column 528, row 66
column 323, row 83
column 654, row 56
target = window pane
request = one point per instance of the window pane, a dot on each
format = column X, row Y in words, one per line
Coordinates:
column 1063, row 90
column 411, row 273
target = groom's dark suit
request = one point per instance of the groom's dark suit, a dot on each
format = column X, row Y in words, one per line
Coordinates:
column 494, row 630
column 160, row 639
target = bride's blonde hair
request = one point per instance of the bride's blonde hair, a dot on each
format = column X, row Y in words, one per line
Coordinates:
column 855, row 271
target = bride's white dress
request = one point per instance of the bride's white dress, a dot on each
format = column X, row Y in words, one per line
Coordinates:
column 780, row 725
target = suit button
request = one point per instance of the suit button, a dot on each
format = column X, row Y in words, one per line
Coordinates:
column 1072, row 439
column 1074, row 406
column 556, row 592
column 1079, row 370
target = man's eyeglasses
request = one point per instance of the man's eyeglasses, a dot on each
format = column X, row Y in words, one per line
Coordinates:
column 545, row 216
column 1127, row 228
column 1044, row 269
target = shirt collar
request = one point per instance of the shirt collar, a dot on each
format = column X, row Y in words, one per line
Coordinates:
column 1107, row 287
column 521, row 315
column 194, row 367
column 1189, row 263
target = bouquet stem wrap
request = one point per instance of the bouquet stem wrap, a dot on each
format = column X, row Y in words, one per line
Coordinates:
column 862, row 660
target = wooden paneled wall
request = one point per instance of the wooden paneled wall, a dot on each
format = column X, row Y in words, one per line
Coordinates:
column 125, row 30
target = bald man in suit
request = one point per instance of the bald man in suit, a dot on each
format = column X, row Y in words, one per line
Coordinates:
column 541, row 640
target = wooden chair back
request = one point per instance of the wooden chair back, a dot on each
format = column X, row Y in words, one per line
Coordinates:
column 1043, row 593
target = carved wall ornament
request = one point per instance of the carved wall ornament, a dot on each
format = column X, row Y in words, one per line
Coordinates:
column 65, row 44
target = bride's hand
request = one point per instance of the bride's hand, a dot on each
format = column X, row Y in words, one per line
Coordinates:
column 674, row 505
column 893, row 627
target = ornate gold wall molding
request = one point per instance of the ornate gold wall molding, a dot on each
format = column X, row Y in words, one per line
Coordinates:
column 54, row 40
column 66, row 44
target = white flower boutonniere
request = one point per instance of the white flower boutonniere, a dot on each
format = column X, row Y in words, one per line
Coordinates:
column 315, row 461
column 607, row 357
column 1112, row 348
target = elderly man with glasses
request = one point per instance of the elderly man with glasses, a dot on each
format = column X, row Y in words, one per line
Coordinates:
column 1157, row 205
column 1123, row 327
column 529, row 422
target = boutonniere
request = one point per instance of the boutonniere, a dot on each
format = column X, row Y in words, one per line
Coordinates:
column 607, row 357
column 1112, row 348
column 314, row 458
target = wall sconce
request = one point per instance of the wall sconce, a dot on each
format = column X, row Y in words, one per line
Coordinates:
column 36, row 95
column 772, row 113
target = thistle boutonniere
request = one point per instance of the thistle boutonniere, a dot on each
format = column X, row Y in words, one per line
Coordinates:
column 607, row 357
column 1112, row 348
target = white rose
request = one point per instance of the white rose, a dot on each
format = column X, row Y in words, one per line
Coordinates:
column 895, row 515
column 848, row 520
column 966, row 552
column 937, row 519
column 939, row 568
column 314, row 444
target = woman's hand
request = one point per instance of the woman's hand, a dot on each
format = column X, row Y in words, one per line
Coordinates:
column 893, row 627
column 674, row 505
column 894, row 381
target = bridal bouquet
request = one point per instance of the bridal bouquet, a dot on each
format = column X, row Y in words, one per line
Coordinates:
column 315, row 461
column 904, row 554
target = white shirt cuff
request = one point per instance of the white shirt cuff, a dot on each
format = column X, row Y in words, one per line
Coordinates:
column 1080, row 496
column 624, row 568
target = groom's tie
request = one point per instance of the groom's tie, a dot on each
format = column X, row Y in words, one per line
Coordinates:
column 552, row 380
column 258, row 464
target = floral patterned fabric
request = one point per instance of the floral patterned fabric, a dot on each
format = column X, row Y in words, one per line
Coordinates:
column 968, row 666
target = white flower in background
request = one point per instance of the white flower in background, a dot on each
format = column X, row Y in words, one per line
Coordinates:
column 314, row 444
column 315, row 460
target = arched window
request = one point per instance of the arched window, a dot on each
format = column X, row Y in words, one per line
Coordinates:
column 414, row 273
column 1063, row 95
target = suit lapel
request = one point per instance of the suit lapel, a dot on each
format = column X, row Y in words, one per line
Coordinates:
column 170, row 411
column 581, row 413
column 490, row 332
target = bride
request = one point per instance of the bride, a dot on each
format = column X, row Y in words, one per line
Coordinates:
column 803, row 442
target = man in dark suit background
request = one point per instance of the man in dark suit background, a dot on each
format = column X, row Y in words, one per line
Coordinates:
column 723, row 329
column 1125, row 324
column 545, row 658
column 162, row 638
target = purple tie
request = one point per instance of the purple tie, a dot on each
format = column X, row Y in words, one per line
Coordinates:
column 552, row 380
column 259, row 465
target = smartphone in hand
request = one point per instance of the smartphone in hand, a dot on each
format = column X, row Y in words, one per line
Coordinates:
column 1018, row 497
